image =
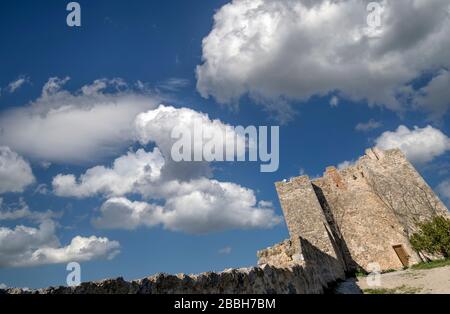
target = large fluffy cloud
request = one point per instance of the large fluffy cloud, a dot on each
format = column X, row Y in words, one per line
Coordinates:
column 121, row 213
column 204, row 205
column 198, row 206
column 28, row 246
column 125, row 176
column 282, row 50
column 84, row 126
column 149, row 173
column 157, row 125
column 15, row 172
column 419, row 144
column 188, row 199
column 79, row 249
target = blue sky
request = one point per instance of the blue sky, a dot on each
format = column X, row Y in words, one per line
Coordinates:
column 247, row 69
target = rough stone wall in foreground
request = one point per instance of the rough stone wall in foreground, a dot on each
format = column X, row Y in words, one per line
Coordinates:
column 257, row 280
column 284, row 254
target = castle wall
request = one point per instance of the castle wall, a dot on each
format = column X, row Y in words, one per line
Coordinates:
column 309, row 230
column 358, row 214
column 368, row 229
column 402, row 189
column 303, row 213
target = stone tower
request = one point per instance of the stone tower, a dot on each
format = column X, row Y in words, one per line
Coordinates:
column 361, row 216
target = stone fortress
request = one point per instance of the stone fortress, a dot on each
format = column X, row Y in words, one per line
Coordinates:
column 360, row 217
column 357, row 218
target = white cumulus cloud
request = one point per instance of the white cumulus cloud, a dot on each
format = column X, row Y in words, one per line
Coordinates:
column 188, row 199
column 121, row 213
column 15, row 172
column 125, row 175
column 157, row 125
column 28, row 246
column 420, row 145
column 85, row 126
column 205, row 205
column 276, row 51
column 79, row 249
column 199, row 206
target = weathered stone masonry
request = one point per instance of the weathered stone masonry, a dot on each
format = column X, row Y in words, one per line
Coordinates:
column 358, row 216
column 256, row 280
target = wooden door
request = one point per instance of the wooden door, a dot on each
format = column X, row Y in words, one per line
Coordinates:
column 402, row 255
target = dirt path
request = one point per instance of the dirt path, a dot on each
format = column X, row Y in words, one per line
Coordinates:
column 436, row 280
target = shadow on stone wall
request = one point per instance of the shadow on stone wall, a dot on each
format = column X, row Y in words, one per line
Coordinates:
column 324, row 269
column 335, row 235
